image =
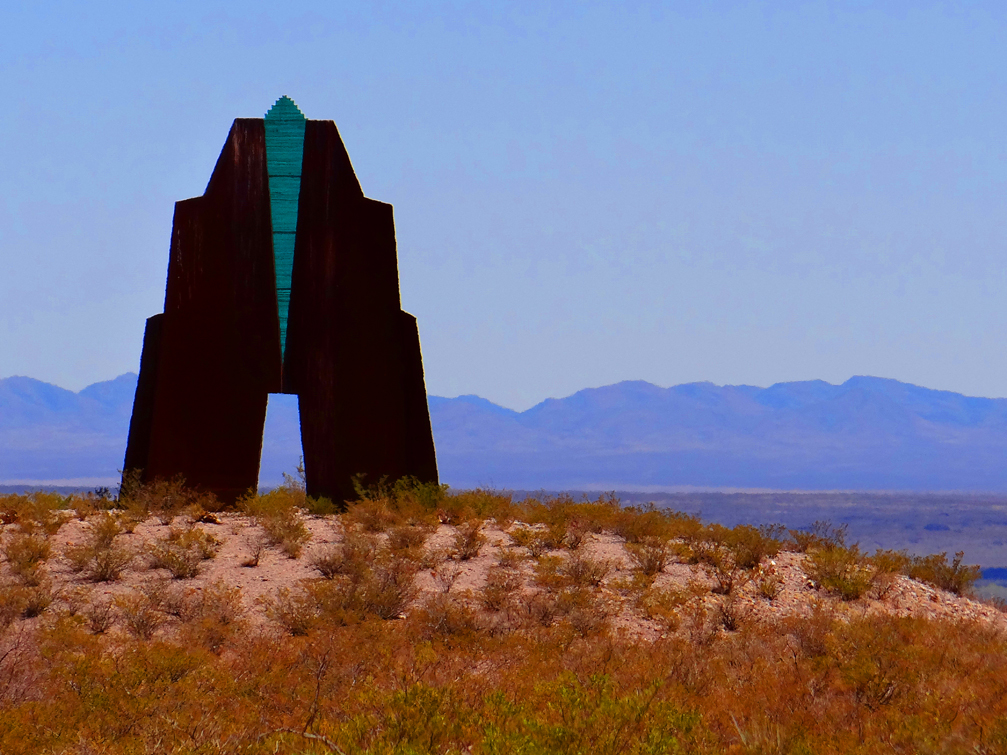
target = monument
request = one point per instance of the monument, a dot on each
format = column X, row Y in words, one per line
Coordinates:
column 282, row 278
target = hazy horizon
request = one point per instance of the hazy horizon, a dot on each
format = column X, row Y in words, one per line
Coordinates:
column 596, row 387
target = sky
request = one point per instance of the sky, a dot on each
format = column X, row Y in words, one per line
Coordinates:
column 584, row 193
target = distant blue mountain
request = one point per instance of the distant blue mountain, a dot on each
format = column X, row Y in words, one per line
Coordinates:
column 49, row 433
column 866, row 434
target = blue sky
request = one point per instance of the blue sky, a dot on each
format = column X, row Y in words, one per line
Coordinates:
column 584, row 192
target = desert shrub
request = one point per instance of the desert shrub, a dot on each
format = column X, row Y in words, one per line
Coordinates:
column 24, row 601
column 25, row 553
column 329, row 562
column 210, row 617
column 139, row 615
column 767, row 582
column 574, row 607
column 362, row 579
column 444, row 616
column 576, row 570
column 751, row 545
column 650, row 554
column 35, row 512
column 182, row 551
column 633, row 585
column 635, row 524
column 953, row 577
column 256, row 547
column 821, row 534
column 37, row 598
column 569, row 521
column 888, row 565
column 107, row 564
column 182, row 563
column 662, row 606
column 406, row 501
column 100, row 558
column 175, row 601
column 455, row 508
column 288, row 532
column 104, row 529
column 891, row 562
column 576, row 532
column 320, row 506
column 407, row 537
column 427, row 496
column 450, row 680
column 129, row 519
column 509, row 557
column 536, row 541
column 468, row 540
column 12, row 599
column 353, row 557
column 74, row 600
column 85, row 508
column 535, row 609
column 216, row 602
column 444, row 575
column 295, row 610
column 221, row 603
column 389, row 588
column 731, row 613
column 277, row 513
column 383, row 591
column 500, row 585
column 719, row 564
column 581, row 610
column 584, row 571
column 548, row 574
column 842, row 571
column 372, row 515
column 99, row 616
column 164, row 499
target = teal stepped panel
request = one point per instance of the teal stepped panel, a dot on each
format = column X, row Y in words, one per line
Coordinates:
column 284, row 153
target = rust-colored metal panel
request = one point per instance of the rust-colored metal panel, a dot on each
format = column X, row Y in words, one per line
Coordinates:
column 421, row 459
column 345, row 354
column 138, row 445
column 219, row 345
column 351, row 354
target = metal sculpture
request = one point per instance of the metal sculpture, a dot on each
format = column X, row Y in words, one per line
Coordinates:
column 282, row 278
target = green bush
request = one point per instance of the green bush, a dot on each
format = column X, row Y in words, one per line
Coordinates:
column 845, row 572
column 953, row 577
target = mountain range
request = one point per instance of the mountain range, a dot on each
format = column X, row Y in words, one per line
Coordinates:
column 866, row 434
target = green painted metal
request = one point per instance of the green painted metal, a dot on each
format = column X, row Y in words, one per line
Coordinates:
column 284, row 153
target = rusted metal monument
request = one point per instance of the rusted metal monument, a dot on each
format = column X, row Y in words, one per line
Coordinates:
column 282, row 278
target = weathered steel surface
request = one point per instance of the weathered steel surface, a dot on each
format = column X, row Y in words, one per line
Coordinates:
column 140, row 423
column 351, row 354
column 347, row 357
column 219, row 340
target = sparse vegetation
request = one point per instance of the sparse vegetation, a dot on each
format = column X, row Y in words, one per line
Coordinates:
column 100, row 558
column 183, row 551
column 843, row 571
column 650, row 554
column 469, row 540
column 935, row 570
column 582, row 635
column 25, row 553
column 277, row 512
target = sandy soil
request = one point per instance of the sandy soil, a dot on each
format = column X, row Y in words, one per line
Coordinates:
column 237, row 535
